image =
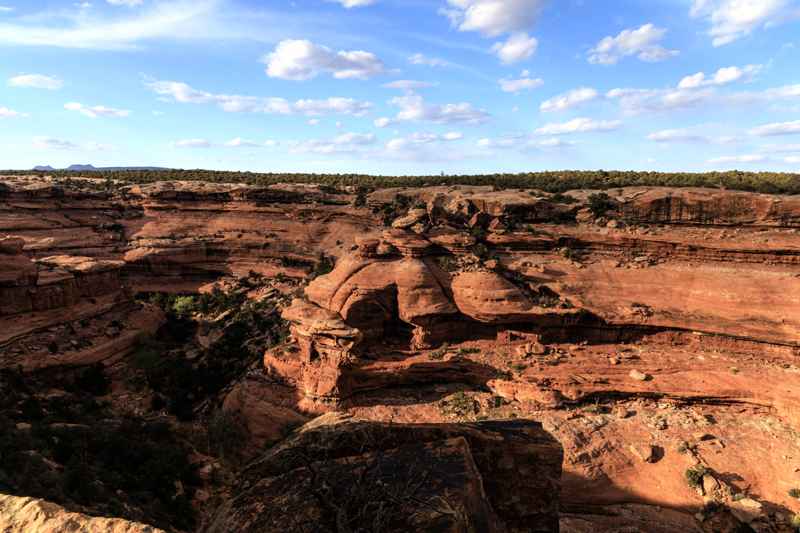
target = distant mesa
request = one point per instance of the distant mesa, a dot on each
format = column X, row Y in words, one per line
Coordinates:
column 81, row 168
column 91, row 168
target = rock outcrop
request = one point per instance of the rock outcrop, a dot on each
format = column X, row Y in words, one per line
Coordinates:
column 340, row 473
column 30, row 515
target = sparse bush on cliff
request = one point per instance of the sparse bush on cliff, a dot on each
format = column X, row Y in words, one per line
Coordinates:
column 184, row 306
column 70, row 449
column 244, row 330
column 694, row 475
column 794, row 493
column 600, row 204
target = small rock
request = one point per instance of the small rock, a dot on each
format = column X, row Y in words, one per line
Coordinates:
column 614, row 224
column 645, row 452
column 621, row 412
column 747, row 510
column 639, row 376
column 613, row 360
column 710, row 484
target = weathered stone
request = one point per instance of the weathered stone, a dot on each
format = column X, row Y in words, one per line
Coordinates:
column 645, row 452
column 502, row 475
column 30, row 515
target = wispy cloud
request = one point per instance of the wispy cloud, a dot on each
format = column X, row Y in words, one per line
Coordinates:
column 54, row 143
column 231, row 103
column 96, row 111
column 579, row 125
column 36, row 81
column 179, row 19
column 569, row 100
column 192, row 143
column 10, row 113
column 777, row 128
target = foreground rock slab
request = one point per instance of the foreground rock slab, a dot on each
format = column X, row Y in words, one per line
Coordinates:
column 338, row 473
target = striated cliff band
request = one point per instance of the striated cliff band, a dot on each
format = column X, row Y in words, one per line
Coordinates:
column 197, row 356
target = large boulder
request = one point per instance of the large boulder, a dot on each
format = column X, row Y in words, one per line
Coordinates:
column 342, row 474
column 489, row 297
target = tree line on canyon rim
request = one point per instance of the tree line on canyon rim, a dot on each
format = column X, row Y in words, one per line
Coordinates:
column 550, row 181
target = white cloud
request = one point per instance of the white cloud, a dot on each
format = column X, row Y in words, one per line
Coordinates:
column 553, row 142
column 409, row 85
column 749, row 158
column 781, row 148
column 569, row 100
column 731, row 20
column 313, row 122
column 382, row 122
column 50, row 143
column 10, row 113
column 333, row 105
column 413, row 108
column 642, row 42
column 183, row 93
column 520, row 84
column 96, row 111
column 355, row 3
column 493, row 17
column 420, row 59
column 299, row 60
column 636, row 101
column 192, row 143
column 128, row 3
column 793, row 160
column 423, row 138
column 723, row 76
column 778, row 128
column 179, row 19
column 346, row 142
column 36, row 81
column 519, row 46
column 6, row 9
column 522, row 142
column 676, row 135
column 238, row 142
column 578, row 125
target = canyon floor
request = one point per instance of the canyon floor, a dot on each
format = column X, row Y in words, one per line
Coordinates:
column 194, row 356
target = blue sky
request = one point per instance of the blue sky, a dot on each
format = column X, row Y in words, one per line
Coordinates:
column 402, row 86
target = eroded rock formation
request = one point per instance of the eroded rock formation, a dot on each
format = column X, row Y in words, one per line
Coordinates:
column 338, row 473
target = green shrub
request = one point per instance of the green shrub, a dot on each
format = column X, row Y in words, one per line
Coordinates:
column 600, row 204
column 794, row 493
column 184, row 306
column 694, row 475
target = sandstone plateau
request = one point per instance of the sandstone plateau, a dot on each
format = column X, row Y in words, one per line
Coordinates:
column 224, row 357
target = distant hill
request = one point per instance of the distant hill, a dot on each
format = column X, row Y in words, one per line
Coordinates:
column 92, row 168
column 81, row 168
